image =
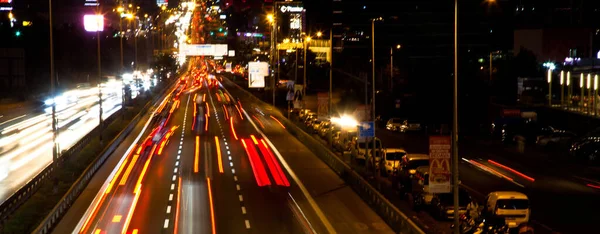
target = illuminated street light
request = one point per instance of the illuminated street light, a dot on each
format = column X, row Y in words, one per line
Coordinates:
column 163, row 7
column 319, row 34
column 398, row 46
column 308, row 39
column 270, row 18
column 130, row 5
column 120, row 9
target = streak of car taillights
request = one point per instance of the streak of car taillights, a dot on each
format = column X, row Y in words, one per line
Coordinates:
column 273, row 164
column 276, row 120
column 232, row 128
column 206, row 122
column 259, row 122
column 204, row 97
column 238, row 109
column 207, row 109
column 219, row 155
column 260, row 174
column 212, row 209
column 226, row 112
column 218, row 97
column 511, row 170
column 489, row 169
column 143, row 173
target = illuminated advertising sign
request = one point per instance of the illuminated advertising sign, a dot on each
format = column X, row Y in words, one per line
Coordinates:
column 162, row 3
column 93, row 23
column 203, row 50
column 256, row 74
column 285, row 9
column 90, row 3
column 439, row 164
column 231, row 53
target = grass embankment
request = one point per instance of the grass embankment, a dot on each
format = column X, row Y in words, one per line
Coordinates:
column 29, row 215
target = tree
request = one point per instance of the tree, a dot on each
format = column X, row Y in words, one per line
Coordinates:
column 526, row 64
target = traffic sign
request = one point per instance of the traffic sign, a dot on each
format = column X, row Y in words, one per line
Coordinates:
column 366, row 129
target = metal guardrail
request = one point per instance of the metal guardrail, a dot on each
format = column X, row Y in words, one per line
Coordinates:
column 81, row 183
column 397, row 220
column 48, row 224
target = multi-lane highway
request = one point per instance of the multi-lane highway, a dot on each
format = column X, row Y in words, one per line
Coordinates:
column 26, row 140
column 222, row 177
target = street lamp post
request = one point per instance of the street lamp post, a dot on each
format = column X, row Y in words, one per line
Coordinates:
column 562, row 88
column 569, row 88
column 120, row 11
column 595, row 94
column 582, row 95
column 455, row 123
column 330, row 80
column 589, row 89
column 306, row 41
column 100, row 122
column 272, row 22
column 373, row 85
column 549, row 87
column 392, row 66
column 55, row 153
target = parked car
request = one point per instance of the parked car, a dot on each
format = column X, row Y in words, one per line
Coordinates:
column 402, row 125
column 362, row 147
column 324, row 129
column 315, row 125
column 558, row 137
column 586, row 150
column 392, row 159
column 511, row 206
column 442, row 204
column 408, row 169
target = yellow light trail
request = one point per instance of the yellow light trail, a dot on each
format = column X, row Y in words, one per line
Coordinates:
column 197, row 151
column 219, row 155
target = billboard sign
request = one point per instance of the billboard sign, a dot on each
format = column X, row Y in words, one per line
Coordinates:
column 93, row 23
column 256, row 74
column 231, row 53
column 203, row 49
column 439, row 164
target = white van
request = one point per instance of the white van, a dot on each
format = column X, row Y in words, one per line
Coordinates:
column 512, row 206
